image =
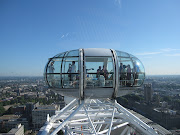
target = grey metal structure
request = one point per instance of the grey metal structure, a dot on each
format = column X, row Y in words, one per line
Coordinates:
column 94, row 73
column 97, row 117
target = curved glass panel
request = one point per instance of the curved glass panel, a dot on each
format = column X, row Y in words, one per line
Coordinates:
column 139, row 73
column 54, row 80
column 99, row 72
column 60, row 54
column 50, row 66
column 131, row 70
column 125, row 71
column 122, row 54
column 73, row 53
column 70, row 70
column 139, row 66
column 63, row 72
column 53, row 72
column 57, row 65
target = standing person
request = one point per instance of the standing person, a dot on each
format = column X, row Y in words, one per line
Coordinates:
column 123, row 75
column 51, row 70
column 73, row 70
column 136, row 73
column 69, row 71
column 121, row 67
column 99, row 72
column 51, row 67
column 105, row 72
column 128, row 75
column 120, row 72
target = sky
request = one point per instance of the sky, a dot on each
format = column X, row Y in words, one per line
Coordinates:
column 31, row 31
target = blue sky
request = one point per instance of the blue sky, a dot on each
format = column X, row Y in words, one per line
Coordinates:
column 31, row 31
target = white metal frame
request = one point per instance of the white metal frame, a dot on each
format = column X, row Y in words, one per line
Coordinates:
column 93, row 116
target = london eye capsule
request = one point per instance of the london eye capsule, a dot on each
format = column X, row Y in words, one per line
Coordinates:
column 94, row 73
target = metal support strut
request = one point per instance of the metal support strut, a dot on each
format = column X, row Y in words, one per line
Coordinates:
column 93, row 116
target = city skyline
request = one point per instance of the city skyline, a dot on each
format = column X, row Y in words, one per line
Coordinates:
column 33, row 31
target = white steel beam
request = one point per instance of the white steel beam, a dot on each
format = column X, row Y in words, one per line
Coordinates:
column 136, row 121
column 95, row 117
column 66, row 120
column 111, row 121
column 90, row 120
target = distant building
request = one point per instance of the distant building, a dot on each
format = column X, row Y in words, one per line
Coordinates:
column 10, row 121
column 18, row 109
column 7, row 121
column 39, row 115
column 18, row 92
column 29, row 108
column 148, row 92
column 167, row 118
column 18, row 130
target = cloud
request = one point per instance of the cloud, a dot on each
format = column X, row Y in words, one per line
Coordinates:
column 118, row 2
column 169, row 50
column 147, row 57
column 65, row 35
column 62, row 36
column 176, row 54
column 148, row 53
column 166, row 52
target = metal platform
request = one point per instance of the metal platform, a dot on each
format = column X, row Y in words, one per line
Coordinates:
column 93, row 116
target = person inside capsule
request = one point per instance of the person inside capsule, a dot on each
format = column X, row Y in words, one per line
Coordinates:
column 136, row 72
column 51, row 70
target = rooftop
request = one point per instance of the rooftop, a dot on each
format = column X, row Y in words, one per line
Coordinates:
column 9, row 117
column 161, row 130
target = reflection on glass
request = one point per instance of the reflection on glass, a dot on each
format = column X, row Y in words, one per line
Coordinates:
column 57, row 65
column 60, row 55
column 62, row 70
column 50, row 68
column 54, row 80
column 131, row 70
column 70, row 72
column 73, row 53
column 70, row 65
column 67, row 83
column 99, row 72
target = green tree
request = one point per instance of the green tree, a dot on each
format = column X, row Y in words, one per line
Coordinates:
column 167, row 98
column 2, row 110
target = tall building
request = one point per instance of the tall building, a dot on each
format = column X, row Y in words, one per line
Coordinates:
column 148, row 92
column 39, row 114
column 29, row 108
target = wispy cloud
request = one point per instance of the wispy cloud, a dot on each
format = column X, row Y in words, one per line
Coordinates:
column 147, row 57
column 62, row 36
column 165, row 51
column 169, row 50
column 148, row 53
column 176, row 54
column 65, row 35
column 118, row 2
